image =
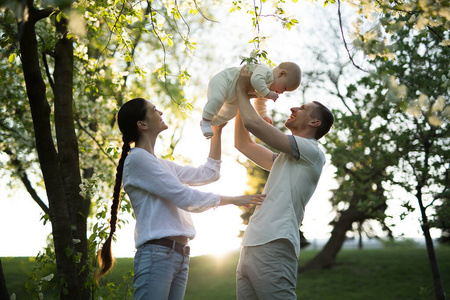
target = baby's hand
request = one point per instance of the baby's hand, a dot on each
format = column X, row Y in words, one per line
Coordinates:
column 268, row 120
column 272, row 95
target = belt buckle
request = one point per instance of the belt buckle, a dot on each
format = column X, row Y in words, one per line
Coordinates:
column 186, row 250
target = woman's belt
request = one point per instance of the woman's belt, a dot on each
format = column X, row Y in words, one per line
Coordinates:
column 180, row 248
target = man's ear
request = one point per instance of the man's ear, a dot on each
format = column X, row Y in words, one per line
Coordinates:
column 315, row 123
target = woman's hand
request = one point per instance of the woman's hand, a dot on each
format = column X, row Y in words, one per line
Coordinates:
column 247, row 200
column 217, row 130
column 215, row 150
column 244, row 200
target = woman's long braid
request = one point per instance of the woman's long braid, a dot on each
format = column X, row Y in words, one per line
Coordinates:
column 127, row 117
column 105, row 256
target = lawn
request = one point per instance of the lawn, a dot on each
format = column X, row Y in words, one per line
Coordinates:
column 378, row 274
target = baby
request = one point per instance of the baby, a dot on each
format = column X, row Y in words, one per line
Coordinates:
column 268, row 84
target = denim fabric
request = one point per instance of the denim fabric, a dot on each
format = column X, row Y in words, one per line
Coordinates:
column 160, row 273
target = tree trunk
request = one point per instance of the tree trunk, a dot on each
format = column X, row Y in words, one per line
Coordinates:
column 326, row 257
column 437, row 280
column 438, row 286
column 4, row 295
column 360, row 242
column 68, row 148
column 48, row 157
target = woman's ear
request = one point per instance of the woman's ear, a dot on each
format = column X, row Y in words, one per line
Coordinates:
column 141, row 124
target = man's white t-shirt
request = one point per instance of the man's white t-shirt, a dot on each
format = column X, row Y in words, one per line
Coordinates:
column 289, row 187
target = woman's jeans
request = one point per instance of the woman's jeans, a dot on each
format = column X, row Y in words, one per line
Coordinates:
column 160, row 273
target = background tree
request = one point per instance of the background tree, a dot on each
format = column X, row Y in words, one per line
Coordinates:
column 77, row 60
column 442, row 220
column 393, row 133
column 361, row 150
column 421, row 84
column 70, row 64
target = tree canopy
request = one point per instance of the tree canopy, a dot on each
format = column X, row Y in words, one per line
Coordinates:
column 69, row 66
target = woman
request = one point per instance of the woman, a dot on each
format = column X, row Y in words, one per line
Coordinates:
column 161, row 202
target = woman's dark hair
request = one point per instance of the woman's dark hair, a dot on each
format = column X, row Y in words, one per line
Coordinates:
column 129, row 114
column 325, row 116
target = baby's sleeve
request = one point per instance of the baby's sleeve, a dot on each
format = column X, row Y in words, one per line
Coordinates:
column 262, row 77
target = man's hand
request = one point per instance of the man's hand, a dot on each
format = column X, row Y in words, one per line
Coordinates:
column 243, row 81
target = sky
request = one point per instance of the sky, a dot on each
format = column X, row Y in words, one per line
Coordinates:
column 22, row 232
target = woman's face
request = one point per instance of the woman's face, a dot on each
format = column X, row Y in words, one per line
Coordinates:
column 154, row 119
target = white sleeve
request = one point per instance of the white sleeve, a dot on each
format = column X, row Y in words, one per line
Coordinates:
column 206, row 173
column 145, row 172
column 262, row 76
column 306, row 149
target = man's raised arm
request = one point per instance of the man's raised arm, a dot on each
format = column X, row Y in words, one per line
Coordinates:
column 257, row 153
column 251, row 120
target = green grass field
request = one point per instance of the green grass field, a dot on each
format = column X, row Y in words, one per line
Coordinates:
column 378, row 274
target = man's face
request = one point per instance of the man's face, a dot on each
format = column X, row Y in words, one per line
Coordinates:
column 300, row 116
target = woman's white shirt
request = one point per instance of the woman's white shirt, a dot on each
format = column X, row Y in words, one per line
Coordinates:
column 160, row 196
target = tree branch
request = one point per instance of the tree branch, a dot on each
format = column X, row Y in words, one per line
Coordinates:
column 410, row 12
column 47, row 70
column 21, row 173
column 202, row 14
column 343, row 38
column 93, row 138
column 24, row 178
column 164, row 51
column 436, row 34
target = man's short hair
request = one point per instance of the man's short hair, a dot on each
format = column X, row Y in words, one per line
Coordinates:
column 326, row 117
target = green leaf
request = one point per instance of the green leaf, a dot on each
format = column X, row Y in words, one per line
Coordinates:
column 69, row 252
column 12, row 57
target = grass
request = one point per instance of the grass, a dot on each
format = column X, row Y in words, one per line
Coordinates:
column 378, row 274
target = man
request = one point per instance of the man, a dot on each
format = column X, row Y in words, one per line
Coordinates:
column 267, row 266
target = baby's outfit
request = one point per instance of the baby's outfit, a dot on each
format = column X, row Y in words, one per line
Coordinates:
column 222, row 101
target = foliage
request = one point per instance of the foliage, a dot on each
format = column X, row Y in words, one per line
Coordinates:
column 399, row 243
column 405, row 110
column 111, row 41
column 442, row 220
column 42, row 278
column 106, row 38
column 255, row 10
column 375, row 131
column 389, row 17
column 418, row 84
